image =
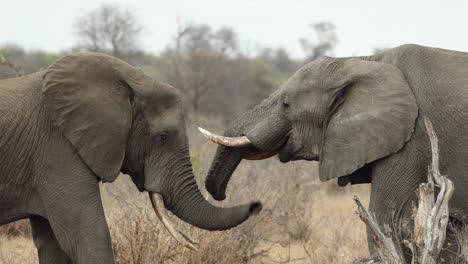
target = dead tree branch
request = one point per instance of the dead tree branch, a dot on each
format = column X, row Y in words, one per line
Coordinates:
column 387, row 250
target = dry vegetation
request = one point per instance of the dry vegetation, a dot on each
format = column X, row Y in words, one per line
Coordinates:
column 303, row 220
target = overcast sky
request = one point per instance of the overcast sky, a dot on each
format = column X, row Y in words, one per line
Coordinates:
column 361, row 26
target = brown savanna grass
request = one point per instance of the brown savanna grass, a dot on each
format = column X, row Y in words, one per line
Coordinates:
column 303, row 220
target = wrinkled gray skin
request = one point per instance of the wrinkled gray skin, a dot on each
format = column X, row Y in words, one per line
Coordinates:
column 362, row 118
column 83, row 120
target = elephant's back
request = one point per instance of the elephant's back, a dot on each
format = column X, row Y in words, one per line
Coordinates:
column 22, row 131
column 18, row 88
column 22, row 114
column 439, row 81
column 20, row 95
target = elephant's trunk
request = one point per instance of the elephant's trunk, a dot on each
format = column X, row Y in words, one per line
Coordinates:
column 222, row 167
column 189, row 205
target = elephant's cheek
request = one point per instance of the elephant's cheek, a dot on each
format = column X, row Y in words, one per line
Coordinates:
column 153, row 182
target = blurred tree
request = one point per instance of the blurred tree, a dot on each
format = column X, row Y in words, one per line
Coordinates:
column 11, row 66
column 283, row 61
column 199, row 56
column 17, row 61
column 109, row 29
column 280, row 59
column 18, row 69
column 265, row 77
column 323, row 45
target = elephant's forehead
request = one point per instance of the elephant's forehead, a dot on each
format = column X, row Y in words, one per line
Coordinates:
column 168, row 116
column 304, row 79
column 298, row 86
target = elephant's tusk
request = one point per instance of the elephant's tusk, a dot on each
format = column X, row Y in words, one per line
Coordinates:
column 260, row 155
column 158, row 206
column 236, row 142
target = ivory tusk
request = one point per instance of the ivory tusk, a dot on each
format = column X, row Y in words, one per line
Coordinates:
column 236, row 142
column 160, row 210
column 260, row 155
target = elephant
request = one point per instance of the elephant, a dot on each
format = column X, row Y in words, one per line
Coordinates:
column 361, row 118
column 82, row 121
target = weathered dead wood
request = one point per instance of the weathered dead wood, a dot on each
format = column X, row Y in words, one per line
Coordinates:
column 430, row 217
column 386, row 249
column 374, row 259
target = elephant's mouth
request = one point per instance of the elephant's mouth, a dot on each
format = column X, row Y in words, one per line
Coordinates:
column 260, row 154
column 286, row 157
column 289, row 152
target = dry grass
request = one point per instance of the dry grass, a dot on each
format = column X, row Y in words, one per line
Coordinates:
column 303, row 220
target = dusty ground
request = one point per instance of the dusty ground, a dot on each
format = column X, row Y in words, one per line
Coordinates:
column 303, row 220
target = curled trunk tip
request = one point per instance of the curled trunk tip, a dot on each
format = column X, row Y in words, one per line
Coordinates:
column 255, row 208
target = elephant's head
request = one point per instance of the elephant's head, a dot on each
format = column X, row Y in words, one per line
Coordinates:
column 119, row 119
column 345, row 112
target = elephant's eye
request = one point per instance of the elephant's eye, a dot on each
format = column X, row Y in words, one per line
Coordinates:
column 285, row 102
column 163, row 138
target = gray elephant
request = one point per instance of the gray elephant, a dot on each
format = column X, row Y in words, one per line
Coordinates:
column 85, row 119
column 361, row 118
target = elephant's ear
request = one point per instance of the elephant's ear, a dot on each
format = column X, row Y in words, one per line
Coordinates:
column 373, row 116
column 88, row 100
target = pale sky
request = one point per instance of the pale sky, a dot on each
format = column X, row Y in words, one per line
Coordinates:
column 361, row 25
